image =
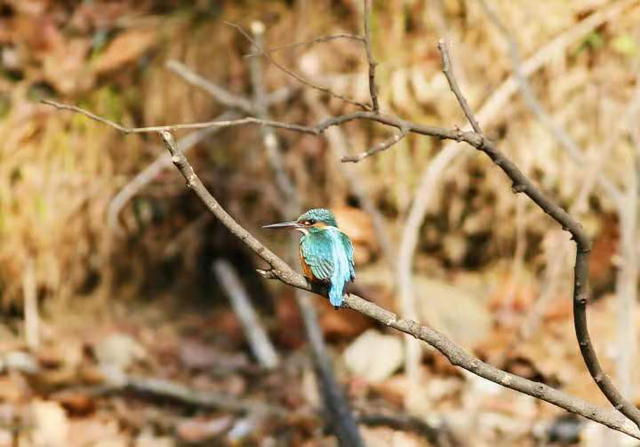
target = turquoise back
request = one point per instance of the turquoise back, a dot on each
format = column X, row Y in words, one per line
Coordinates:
column 329, row 254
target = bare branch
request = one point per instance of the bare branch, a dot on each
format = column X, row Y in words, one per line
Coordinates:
column 321, row 39
column 257, row 337
column 491, row 111
column 471, row 138
column 203, row 125
column 383, row 146
column 295, row 75
column 581, row 271
column 455, row 88
column 373, row 90
column 565, row 140
column 456, row 355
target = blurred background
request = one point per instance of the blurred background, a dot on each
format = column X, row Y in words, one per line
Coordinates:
column 110, row 269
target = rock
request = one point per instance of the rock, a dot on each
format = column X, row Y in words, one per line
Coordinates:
column 374, row 356
column 49, row 424
column 19, row 361
column 118, row 351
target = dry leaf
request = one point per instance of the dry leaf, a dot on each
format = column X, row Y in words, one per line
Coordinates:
column 125, row 48
column 201, row 429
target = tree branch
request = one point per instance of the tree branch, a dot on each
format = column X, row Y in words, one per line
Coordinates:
column 373, row 90
column 455, row 88
column 257, row 337
column 456, row 355
column 583, row 247
column 295, row 75
column 321, row 39
column 383, row 146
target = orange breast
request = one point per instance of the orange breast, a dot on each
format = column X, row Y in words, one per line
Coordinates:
column 306, row 270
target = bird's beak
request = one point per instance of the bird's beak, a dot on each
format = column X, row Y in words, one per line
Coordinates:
column 283, row 225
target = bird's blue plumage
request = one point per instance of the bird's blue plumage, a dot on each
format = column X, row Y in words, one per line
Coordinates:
column 328, row 252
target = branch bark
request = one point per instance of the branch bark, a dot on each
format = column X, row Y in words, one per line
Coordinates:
column 521, row 184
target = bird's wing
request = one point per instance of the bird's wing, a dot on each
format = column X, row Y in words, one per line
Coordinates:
column 348, row 249
column 317, row 250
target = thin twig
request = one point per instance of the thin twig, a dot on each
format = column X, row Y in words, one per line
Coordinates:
column 257, row 337
column 521, row 184
column 455, row 88
column 437, row 436
column 167, row 389
column 383, row 146
column 373, row 89
column 295, row 75
column 321, row 39
column 202, row 125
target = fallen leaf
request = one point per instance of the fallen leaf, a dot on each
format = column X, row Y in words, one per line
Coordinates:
column 75, row 402
column 125, row 48
column 201, row 429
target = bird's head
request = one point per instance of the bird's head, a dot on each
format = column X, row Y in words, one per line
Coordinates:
column 317, row 218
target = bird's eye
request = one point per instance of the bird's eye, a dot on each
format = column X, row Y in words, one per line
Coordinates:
column 311, row 221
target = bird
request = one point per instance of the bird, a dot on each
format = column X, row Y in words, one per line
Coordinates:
column 326, row 253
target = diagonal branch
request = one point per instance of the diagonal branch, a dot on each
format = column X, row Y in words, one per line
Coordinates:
column 295, row 75
column 455, row 88
column 383, row 146
column 456, row 355
column 373, row 90
column 583, row 248
column 321, row 39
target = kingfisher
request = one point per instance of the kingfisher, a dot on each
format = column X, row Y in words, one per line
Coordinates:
column 326, row 253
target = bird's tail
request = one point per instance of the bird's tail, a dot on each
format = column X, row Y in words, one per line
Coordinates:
column 335, row 294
